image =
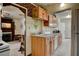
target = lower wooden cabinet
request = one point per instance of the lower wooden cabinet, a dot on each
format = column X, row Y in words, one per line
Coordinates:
column 44, row 46
column 40, row 46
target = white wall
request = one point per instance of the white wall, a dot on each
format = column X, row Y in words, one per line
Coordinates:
column 19, row 26
column 18, row 17
column 30, row 28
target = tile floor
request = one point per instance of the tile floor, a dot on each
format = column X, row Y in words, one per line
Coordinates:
column 14, row 47
column 64, row 49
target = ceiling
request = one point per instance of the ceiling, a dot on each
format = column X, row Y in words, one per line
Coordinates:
column 12, row 12
column 64, row 15
column 55, row 7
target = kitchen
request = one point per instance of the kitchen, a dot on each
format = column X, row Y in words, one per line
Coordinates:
column 37, row 28
column 43, row 32
column 34, row 26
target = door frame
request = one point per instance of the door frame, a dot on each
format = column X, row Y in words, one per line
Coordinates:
column 71, row 20
column 74, row 42
column 73, row 39
column 24, row 10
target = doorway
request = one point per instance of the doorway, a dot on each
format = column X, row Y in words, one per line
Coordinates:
column 64, row 25
column 17, row 32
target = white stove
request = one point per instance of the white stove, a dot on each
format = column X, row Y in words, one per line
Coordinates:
column 4, row 47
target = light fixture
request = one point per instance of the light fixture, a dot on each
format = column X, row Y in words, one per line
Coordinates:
column 62, row 4
column 68, row 16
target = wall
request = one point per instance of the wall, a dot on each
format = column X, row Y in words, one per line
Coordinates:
column 19, row 26
column 18, row 17
column 32, row 26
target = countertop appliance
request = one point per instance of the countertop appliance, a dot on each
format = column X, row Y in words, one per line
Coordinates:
column 4, row 47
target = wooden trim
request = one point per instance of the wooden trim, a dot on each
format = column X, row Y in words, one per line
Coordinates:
column 19, row 6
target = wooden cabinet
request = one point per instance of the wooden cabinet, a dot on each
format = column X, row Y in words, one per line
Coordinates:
column 44, row 46
column 51, row 45
column 40, row 46
column 45, row 15
column 39, row 13
column 35, row 12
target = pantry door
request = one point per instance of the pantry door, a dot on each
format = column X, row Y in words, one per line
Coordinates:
column 75, row 32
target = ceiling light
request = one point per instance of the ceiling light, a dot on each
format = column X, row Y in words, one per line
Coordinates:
column 62, row 4
column 68, row 16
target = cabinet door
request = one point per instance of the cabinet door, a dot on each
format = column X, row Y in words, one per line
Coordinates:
column 40, row 13
column 47, row 47
column 45, row 15
column 34, row 45
column 40, row 46
column 35, row 12
column 51, row 45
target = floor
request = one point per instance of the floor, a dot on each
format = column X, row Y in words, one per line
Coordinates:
column 14, row 47
column 64, row 49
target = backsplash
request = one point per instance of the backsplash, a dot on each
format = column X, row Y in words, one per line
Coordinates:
column 34, row 26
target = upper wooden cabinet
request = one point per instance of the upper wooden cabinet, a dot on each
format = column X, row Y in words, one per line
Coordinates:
column 45, row 15
column 39, row 13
